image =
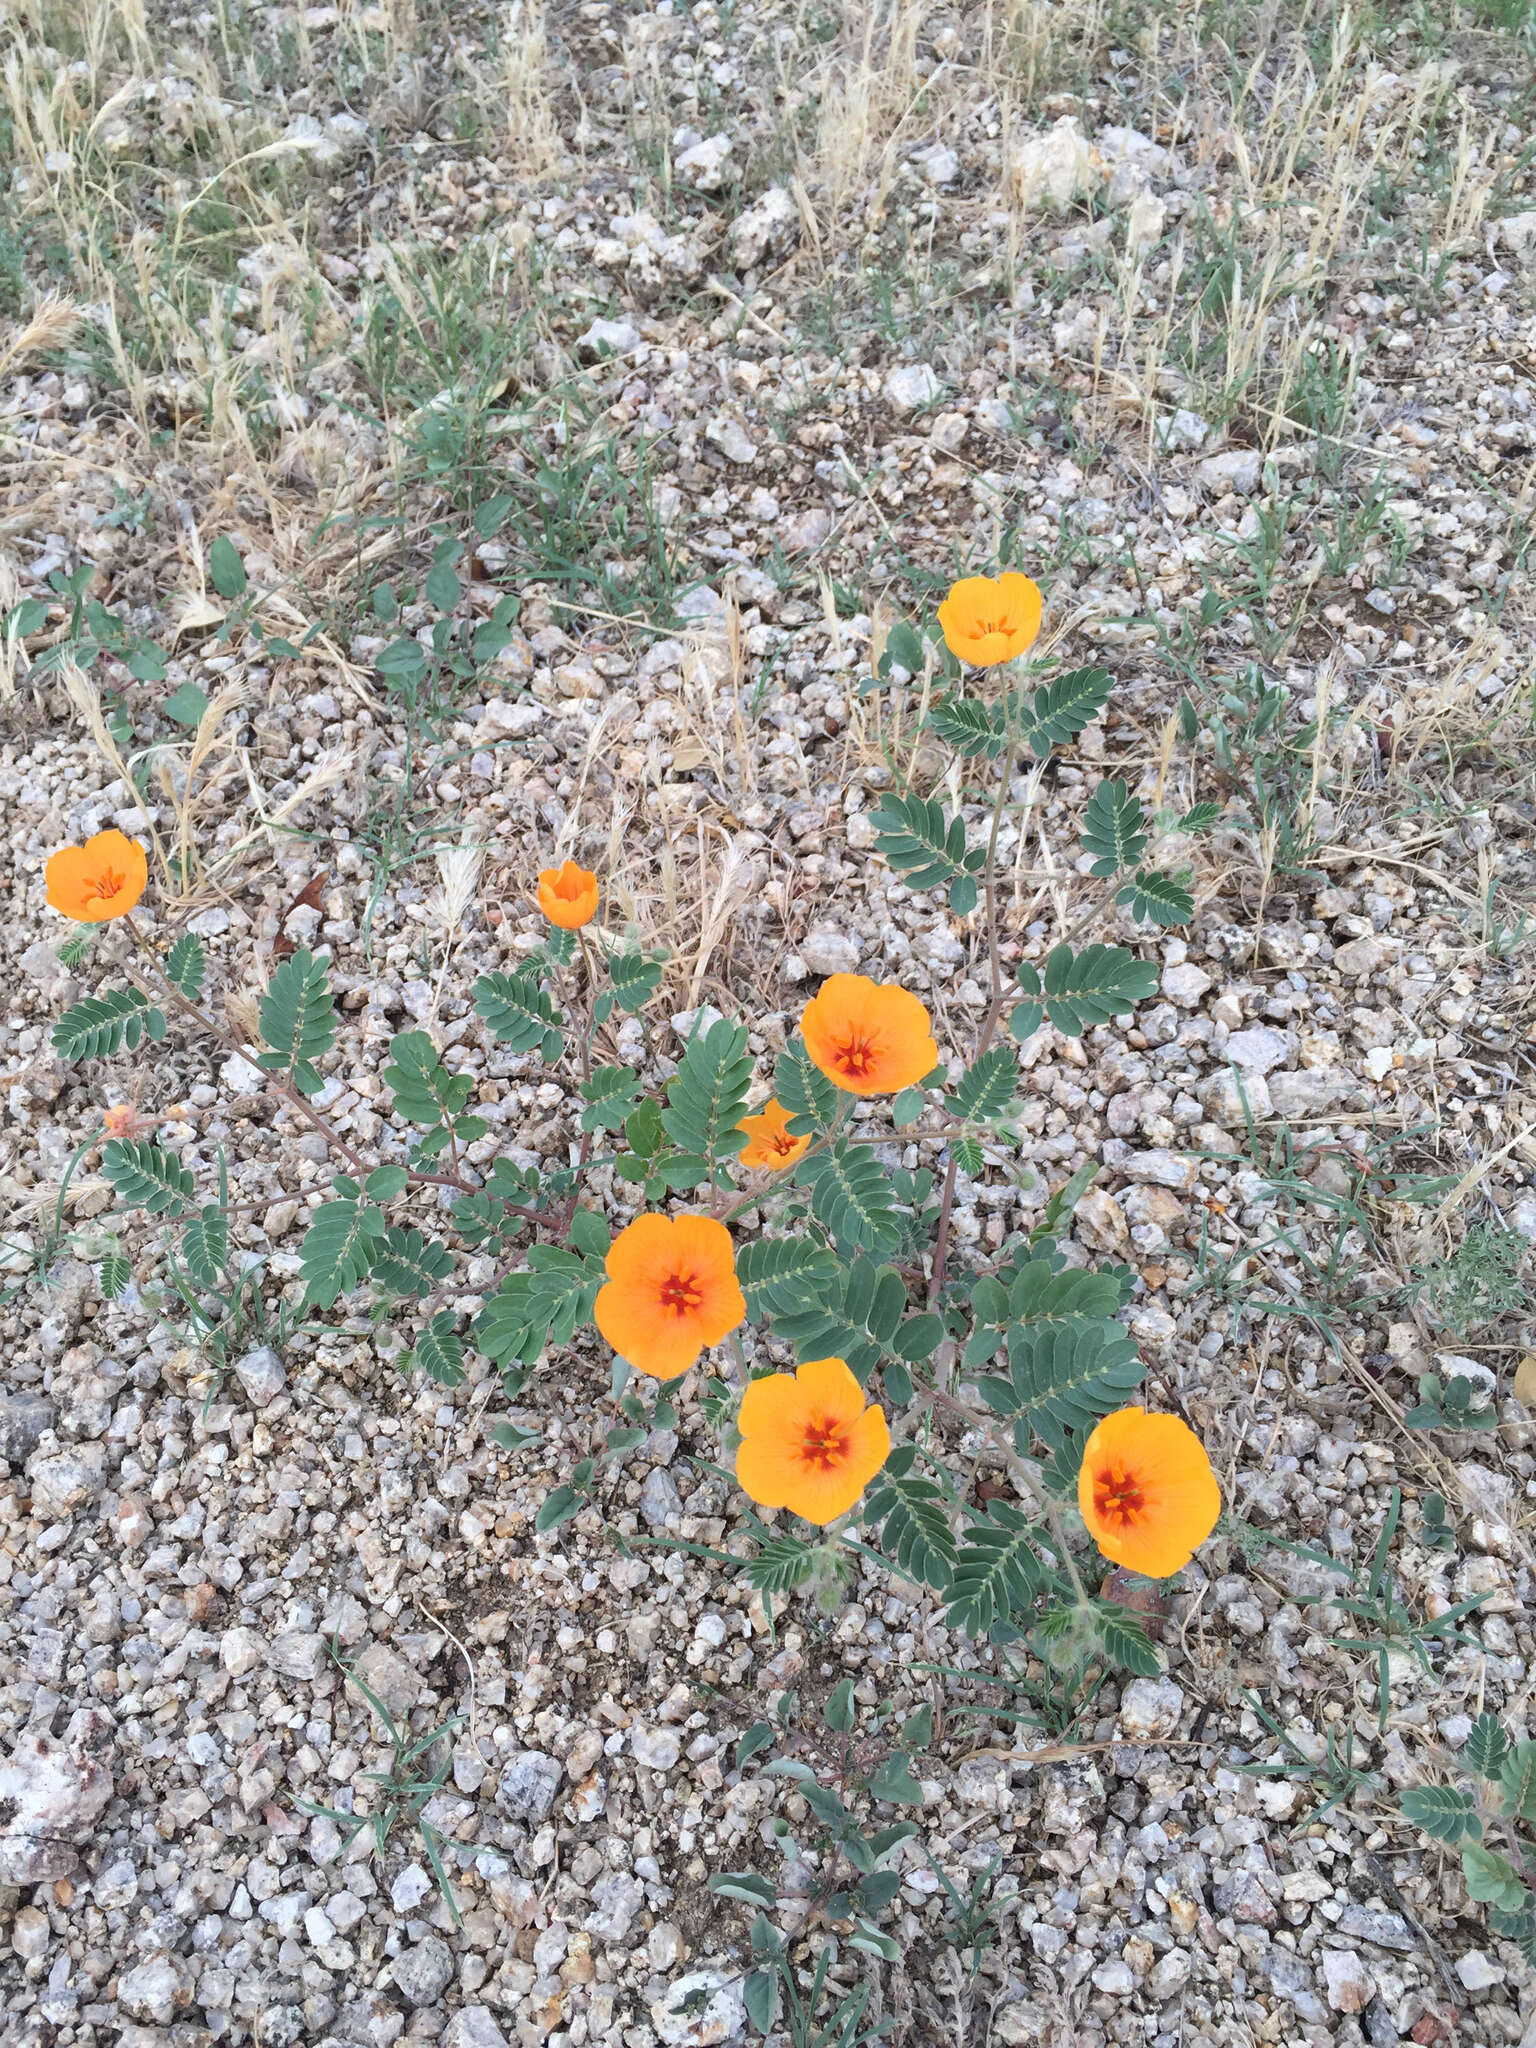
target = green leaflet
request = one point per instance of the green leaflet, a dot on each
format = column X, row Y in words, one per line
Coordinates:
column 147, row 1177
column 338, row 1249
column 611, row 1097
column 785, row 1275
column 1486, row 1747
column 1079, row 989
column 297, row 1019
column 851, row 1196
column 854, row 1314
column 406, row 1263
column 1444, row 1812
column 1157, row 898
column 996, row 1573
column 519, row 1013
column 979, row 731
column 1492, row 1880
column 1060, row 709
column 923, row 845
column 205, row 1246
column 1114, row 828
column 633, row 978
column 707, row 1096
column 439, row 1352
column 424, row 1090
column 539, row 1306
column 98, row 1026
column 185, row 965
column 1064, row 1376
column 987, row 1090
column 912, row 1514
column 1124, row 1641
column 782, row 1563
column 810, row 1098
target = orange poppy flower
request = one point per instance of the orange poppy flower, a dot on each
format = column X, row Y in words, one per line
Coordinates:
column 770, row 1142
column 808, row 1442
column 671, row 1290
column 1147, row 1491
column 568, row 895
column 868, row 1039
column 988, row 619
column 102, row 879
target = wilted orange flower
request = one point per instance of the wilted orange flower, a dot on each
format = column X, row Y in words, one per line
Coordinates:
column 102, row 879
column 770, row 1142
column 1147, row 1491
column 568, row 895
column 987, row 619
column 868, row 1039
column 808, row 1442
column 671, row 1291
column 122, row 1120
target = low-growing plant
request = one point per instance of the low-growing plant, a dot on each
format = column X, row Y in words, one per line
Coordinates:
column 1497, row 1799
column 873, row 1364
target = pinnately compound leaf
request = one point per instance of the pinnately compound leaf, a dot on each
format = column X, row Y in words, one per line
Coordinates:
column 1079, row 989
column 147, row 1177
column 1060, row 709
column 519, row 1013
column 1158, row 898
column 298, row 1019
column 1113, row 828
column 924, row 846
column 185, row 965
column 98, row 1026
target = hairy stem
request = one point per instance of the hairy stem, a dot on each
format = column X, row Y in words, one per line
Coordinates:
column 989, row 1022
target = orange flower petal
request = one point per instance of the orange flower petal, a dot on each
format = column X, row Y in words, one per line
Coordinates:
column 671, row 1292
column 808, row 1442
column 568, row 895
column 988, row 619
column 1147, row 1492
column 769, row 1142
column 868, row 1038
column 102, row 879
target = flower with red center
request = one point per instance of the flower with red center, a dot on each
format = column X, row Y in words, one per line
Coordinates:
column 671, row 1291
column 1147, row 1491
column 770, row 1142
column 869, row 1039
column 102, row 879
column 987, row 619
column 568, row 895
column 808, row 1443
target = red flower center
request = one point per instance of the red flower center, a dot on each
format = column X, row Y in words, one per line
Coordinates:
column 681, row 1293
column 856, row 1056
column 103, row 887
column 825, row 1444
column 782, row 1143
column 984, row 628
column 1117, row 1497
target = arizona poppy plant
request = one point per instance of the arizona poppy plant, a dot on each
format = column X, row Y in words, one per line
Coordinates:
column 1147, row 1491
column 568, row 895
column 770, row 1142
column 987, row 619
column 808, row 1442
column 869, row 1039
column 102, row 879
column 671, row 1291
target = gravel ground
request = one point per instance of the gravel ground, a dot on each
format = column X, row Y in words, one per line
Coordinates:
column 1161, row 320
